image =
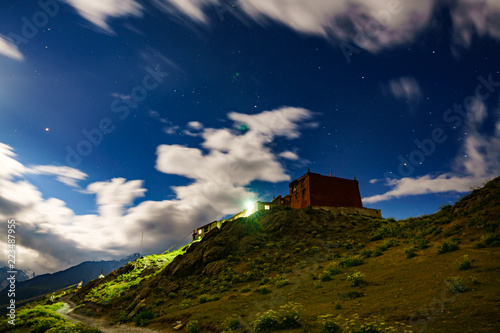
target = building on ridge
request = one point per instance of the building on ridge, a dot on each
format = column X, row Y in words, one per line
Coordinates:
column 313, row 189
column 338, row 195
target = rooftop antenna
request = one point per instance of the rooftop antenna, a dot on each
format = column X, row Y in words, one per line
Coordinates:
column 142, row 238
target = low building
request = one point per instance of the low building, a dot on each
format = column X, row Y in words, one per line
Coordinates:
column 313, row 189
column 338, row 195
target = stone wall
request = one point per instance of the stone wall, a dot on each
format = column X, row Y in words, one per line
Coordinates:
column 353, row 210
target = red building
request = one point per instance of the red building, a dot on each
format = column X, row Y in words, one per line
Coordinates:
column 313, row 189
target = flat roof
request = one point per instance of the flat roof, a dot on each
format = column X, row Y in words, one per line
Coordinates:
column 320, row 175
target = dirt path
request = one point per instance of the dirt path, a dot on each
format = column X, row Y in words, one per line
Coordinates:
column 67, row 312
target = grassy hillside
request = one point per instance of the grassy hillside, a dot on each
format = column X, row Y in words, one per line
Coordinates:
column 310, row 270
column 42, row 316
column 47, row 283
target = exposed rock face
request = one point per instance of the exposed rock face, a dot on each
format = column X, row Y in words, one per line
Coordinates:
column 214, row 268
column 200, row 255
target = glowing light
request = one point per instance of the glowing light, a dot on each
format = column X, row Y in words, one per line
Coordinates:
column 249, row 205
column 46, row 129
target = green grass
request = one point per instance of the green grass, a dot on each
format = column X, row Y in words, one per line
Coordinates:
column 106, row 292
column 40, row 317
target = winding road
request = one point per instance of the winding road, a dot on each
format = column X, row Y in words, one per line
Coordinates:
column 67, row 312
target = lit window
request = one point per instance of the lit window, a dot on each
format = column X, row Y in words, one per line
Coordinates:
column 199, row 231
column 266, row 207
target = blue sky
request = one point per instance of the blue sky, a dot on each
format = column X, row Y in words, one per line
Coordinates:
column 122, row 117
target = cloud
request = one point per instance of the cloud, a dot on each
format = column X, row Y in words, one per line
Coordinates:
column 406, row 89
column 195, row 125
column 66, row 175
column 114, row 195
column 53, row 237
column 8, row 49
column 170, row 129
column 478, row 160
column 289, row 155
column 425, row 185
column 472, row 17
column 99, row 12
column 372, row 25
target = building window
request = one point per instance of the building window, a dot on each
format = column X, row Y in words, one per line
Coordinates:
column 199, row 231
column 206, row 229
column 266, row 207
column 303, row 192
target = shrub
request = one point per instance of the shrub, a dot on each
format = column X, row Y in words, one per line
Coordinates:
column 232, row 324
column 245, row 289
column 366, row 253
column 351, row 295
column 447, row 247
column 351, row 261
column 421, row 243
column 172, row 295
column 328, row 325
column 491, row 240
column 287, row 316
column 479, row 245
column 193, row 327
column 325, row 276
column 410, row 252
column 388, row 244
column 456, row 285
column 42, row 324
column 263, row 290
column 265, row 281
column 334, row 268
column 356, row 278
column 377, row 252
column 184, row 305
column 474, row 280
column 143, row 318
column 282, row 283
column 464, row 263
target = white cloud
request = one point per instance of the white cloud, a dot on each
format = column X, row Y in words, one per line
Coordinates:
column 406, row 89
column 8, row 49
column 9, row 166
column 54, row 237
column 478, row 160
column 370, row 24
column 99, row 12
column 114, row 195
column 472, row 17
column 289, row 155
column 195, row 125
column 66, row 175
column 424, row 185
column 171, row 129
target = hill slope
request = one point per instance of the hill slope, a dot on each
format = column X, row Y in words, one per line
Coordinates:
column 310, row 270
column 46, row 283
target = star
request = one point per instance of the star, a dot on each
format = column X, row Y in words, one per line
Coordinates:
column 46, row 129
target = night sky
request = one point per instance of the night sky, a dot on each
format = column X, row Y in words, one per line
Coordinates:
column 125, row 116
